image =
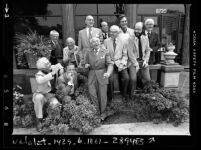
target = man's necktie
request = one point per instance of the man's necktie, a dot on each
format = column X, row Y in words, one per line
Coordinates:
column 140, row 47
column 114, row 44
column 149, row 35
column 90, row 35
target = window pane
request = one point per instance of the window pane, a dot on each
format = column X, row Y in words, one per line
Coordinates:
column 42, row 25
column 86, row 9
column 106, row 9
column 111, row 20
column 151, row 8
column 169, row 28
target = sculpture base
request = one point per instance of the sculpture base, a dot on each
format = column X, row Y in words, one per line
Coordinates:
column 170, row 75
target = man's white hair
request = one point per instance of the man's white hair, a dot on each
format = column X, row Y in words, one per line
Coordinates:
column 94, row 38
column 54, row 32
column 139, row 25
column 149, row 21
column 115, row 28
column 41, row 63
column 70, row 39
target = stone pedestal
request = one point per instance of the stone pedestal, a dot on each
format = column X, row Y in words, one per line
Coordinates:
column 155, row 71
column 170, row 75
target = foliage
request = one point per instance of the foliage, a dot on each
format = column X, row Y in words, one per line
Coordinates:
column 160, row 104
column 77, row 112
column 33, row 43
column 23, row 113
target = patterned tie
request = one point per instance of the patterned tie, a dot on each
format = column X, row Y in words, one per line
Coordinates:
column 90, row 36
column 140, row 47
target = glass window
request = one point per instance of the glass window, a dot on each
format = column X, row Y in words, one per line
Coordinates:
column 151, row 8
column 106, row 9
column 42, row 25
column 111, row 20
column 86, row 9
column 34, row 9
column 169, row 28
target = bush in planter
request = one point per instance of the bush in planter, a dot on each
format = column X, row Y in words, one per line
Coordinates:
column 23, row 113
column 32, row 45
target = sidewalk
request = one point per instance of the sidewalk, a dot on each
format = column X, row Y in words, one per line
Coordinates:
column 142, row 128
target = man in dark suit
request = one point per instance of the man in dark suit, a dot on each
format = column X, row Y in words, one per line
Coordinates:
column 104, row 29
column 56, row 53
column 153, row 41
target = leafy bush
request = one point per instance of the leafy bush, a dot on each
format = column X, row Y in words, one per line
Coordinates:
column 160, row 104
column 77, row 113
column 23, row 113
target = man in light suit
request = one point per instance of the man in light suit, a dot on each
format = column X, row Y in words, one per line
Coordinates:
column 138, row 56
column 118, row 50
column 86, row 34
column 124, row 29
column 43, row 93
column 153, row 41
column 100, row 65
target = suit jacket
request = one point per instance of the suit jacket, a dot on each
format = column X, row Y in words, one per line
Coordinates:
column 43, row 82
column 75, row 53
column 129, row 32
column 63, row 84
column 119, row 55
column 133, row 50
column 99, row 64
column 83, row 40
column 154, row 42
column 56, row 52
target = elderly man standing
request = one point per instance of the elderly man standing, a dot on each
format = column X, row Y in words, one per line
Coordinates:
column 56, row 53
column 153, row 41
column 100, row 65
column 138, row 56
column 118, row 50
column 71, row 53
column 86, row 35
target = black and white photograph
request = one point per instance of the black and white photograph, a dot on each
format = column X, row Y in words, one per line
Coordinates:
column 99, row 69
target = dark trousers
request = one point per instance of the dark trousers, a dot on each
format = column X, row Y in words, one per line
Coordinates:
column 123, row 80
column 143, row 74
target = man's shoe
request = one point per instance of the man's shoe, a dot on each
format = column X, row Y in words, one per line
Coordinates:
column 39, row 124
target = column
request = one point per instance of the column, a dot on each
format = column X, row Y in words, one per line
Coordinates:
column 131, row 13
column 68, row 21
column 186, row 39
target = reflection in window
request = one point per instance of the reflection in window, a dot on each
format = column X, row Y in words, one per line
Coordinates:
column 42, row 25
column 151, row 8
column 111, row 20
column 169, row 28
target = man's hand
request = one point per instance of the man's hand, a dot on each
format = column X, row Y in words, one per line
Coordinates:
column 145, row 64
column 106, row 75
column 137, row 67
column 87, row 65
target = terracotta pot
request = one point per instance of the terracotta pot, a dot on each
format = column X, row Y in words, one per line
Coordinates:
column 31, row 60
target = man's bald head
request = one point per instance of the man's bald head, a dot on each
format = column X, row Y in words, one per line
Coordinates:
column 89, row 21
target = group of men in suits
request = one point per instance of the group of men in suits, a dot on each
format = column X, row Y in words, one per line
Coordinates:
column 118, row 49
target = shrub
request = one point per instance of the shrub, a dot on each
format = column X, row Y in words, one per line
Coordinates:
column 159, row 104
column 23, row 113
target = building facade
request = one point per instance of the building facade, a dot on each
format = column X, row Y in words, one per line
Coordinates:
column 68, row 19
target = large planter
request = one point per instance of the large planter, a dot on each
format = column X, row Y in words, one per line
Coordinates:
column 31, row 60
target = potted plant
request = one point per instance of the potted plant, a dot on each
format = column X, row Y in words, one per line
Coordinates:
column 30, row 47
